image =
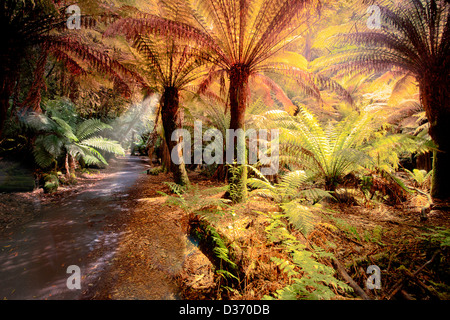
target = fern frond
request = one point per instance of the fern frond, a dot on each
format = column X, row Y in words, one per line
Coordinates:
column 52, row 143
column 302, row 217
column 90, row 155
column 104, row 144
column 65, row 129
column 315, row 194
column 42, row 157
column 39, row 122
column 89, row 127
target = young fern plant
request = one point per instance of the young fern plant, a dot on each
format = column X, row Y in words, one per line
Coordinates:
column 326, row 153
column 420, row 177
column 55, row 138
column 297, row 196
column 329, row 152
column 195, row 202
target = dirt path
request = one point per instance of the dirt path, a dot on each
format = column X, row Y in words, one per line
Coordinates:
column 81, row 229
column 152, row 249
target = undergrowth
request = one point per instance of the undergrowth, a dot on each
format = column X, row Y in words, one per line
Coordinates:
column 308, row 277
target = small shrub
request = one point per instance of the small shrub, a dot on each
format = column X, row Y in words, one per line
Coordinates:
column 51, row 183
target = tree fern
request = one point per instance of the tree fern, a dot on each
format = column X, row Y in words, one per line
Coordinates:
column 42, row 25
column 57, row 137
column 326, row 154
column 329, row 152
column 241, row 39
column 413, row 40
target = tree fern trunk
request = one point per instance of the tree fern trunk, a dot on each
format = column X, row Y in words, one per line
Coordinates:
column 434, row 93
column 238, row 94
column 165, row 157
column 440, row 182
column 72, row 167
column 4, row 106
column 6, row 90
column 171, row 121
column 33, row 100
column 66, row 166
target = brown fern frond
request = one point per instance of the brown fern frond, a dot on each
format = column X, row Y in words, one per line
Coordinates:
column 152, row 24
column 412, row 38
column 276, row 89
column 73, row 66
column 304, row 79
column 99, row 60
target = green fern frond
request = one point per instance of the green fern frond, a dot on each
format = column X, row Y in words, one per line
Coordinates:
column 89, row 127
column 91, row 156
column 294, row 180
column 65, row 129
column 308, row 277
column 52, row 143
column 42, row 157
column 259, row 184
column 315, row 194
column 90, row 159
column 302, row 217
column 39, row 122
column 104, row 144
column 75, row 151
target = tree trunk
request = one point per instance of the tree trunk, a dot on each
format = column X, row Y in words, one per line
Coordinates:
column 33, row 100
column 72, row 167
column 209, row 240
column 6, row 90
column 9, row 74
column 434, row 92
column 238, row 95
column 171, row 120
column 66, row 166
column 440, row 182
column 165, row 157
column 4, row 106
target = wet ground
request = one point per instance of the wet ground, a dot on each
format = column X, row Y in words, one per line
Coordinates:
column 35, row 257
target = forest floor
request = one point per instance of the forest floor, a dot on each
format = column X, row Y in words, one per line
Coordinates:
column 156, row 259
